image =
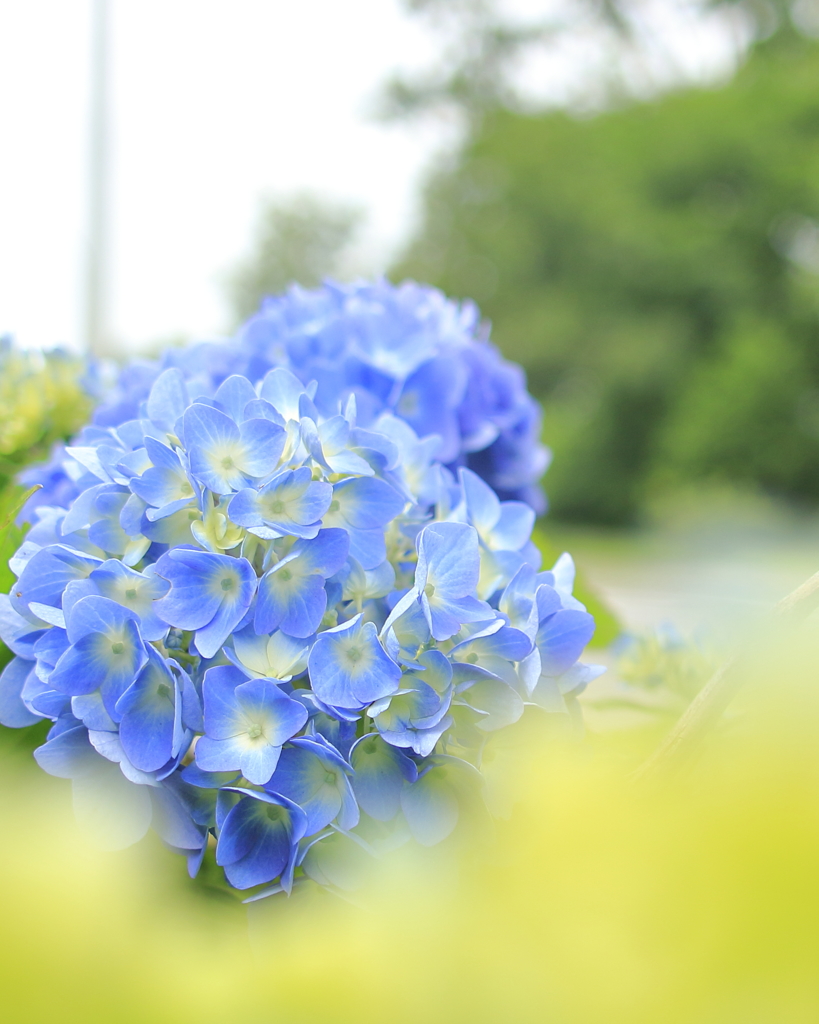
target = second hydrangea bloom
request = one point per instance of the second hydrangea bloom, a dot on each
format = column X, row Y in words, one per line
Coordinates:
column 406, row 350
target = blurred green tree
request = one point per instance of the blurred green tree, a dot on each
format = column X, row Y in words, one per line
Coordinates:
column 304, row 239
column 656, row 270
column 483, row 43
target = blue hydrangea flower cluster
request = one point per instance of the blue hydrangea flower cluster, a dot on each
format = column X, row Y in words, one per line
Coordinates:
column 403, row 349
column 266, row 624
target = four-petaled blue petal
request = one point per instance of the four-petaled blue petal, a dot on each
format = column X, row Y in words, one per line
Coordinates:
column 291, row 594
column 223, row 455
column 209, row 593
column 259, row 838
column 417, row 716
column 349, row 668
column 106, row 651
column 165, row 484
column 328, row 444
column 246, row 724
column 47, row 574
column 315, row 776
column 136, row 591
column 291, row 504
column 446, row 578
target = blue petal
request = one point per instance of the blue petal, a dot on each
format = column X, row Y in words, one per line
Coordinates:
column 134, row 590
column 48, row 648
column 210, row 638
column 292, row 503
column 445, row 615
column 514, row 527
column 83, row 510
column 561, row 639
column 223, row 755
column 172, row 820
column 166, row 482
column 209, row 593
column 91, row 664
column 191, row 704
column 16, row 631
column 548, row 601
column 381, row 772
column 260, row 409
column 190, row 603
column 368, row 547
column 254, row 845
column 234, row 394
column 263, row 701
column 151, row 715
column 263, row 443
column 349, row 668
column 90, row 710
column 518, row 597
column 498, row 641
column 302, row 777
column 430, row 807
column 208, row 428
column 366, row 503
column 233, row 713
column 168, row 399
column 448, row 560
column 13, row 712
column 195, row 776
column 325, row 554
column 218, row 689
column 68, row 754
column 47, row 574
column 96, row 614
column 283, row 390
column 259, row 764
column 288, row 600
column 482, row 504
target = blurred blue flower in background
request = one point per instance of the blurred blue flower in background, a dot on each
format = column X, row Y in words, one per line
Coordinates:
column 403, row 349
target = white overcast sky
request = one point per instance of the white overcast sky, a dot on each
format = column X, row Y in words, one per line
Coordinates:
column 216, row 103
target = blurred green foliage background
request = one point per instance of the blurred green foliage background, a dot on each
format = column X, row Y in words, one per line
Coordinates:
column 44, row 397
column 656, row 269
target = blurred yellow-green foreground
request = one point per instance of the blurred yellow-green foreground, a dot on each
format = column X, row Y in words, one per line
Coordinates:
column 600, row 899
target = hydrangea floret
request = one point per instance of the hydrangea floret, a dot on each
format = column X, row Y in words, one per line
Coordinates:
column 407, row 350
column 276, row 631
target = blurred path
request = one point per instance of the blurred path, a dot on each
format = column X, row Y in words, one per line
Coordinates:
column 707, row 570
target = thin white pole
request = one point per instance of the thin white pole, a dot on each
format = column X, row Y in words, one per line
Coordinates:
column 96, row 326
